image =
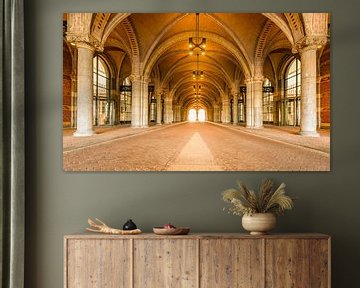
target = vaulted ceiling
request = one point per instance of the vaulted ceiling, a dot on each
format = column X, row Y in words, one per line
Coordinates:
column 156, row 46
column 159, row 43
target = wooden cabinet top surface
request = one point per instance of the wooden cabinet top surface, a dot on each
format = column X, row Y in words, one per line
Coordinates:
column 199, row 236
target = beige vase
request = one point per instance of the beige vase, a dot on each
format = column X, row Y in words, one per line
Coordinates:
column 259, row 223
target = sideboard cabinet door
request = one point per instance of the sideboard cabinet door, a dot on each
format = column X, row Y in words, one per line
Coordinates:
column 98, row 263
column 297, row 263
column 165, row 263
column 231, row 263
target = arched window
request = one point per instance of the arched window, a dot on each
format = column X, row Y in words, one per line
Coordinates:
column 293, row 93
column 268, row 101
column 125, row 101
column 103, row 107
column 242, row 104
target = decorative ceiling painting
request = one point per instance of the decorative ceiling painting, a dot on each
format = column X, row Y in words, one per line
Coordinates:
column 196, row 92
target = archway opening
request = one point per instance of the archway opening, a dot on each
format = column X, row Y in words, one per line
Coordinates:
column 192, row 116
column 201, row 115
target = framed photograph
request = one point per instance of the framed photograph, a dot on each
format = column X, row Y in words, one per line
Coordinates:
column 196, row 91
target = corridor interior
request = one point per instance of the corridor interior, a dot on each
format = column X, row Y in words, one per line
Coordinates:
column 196, row 91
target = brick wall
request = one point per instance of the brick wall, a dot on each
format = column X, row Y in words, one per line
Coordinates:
column 325, row 87
column 66, row 86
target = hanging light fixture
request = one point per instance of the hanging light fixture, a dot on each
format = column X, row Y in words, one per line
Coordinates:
column 197, row 90
column 197, row 87
column 197, row 44
column 197, row 74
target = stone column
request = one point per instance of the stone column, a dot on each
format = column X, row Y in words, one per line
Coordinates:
column 216, row 113
column 84, row 90
column 135, row 101
column 177, row 117
column 73, row 100
column 144, row 103
column 158, row 109
column 308, row 113
column 249, row 103
column 168, row 112
column 174, row 113
column 225, row 113
column 235, row 109
column 258, row 101
column 254, row 106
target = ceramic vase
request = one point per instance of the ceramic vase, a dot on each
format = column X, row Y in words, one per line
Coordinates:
column 259, row 223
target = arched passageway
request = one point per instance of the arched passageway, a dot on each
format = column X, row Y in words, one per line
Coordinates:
column 241, row 68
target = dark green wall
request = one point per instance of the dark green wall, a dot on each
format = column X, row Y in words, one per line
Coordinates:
column 59, row 203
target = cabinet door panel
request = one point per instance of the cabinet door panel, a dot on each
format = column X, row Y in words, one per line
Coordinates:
column 170, row 263
column 319, row 263
column 98, row 264
column 287, row 263
column 231, row 263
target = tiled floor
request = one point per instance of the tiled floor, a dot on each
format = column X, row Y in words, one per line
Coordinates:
column 197, row 147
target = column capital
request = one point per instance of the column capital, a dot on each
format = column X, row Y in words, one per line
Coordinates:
column 235, row 92
column 309, row 43
column 84, row 40
column 85, row 45
column 134, row 77
column 145, row 79
column 254, row 79
column 138, row 77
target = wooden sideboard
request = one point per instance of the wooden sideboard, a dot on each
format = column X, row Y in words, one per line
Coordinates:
column 197, row 260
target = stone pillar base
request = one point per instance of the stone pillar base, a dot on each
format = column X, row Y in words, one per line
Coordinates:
column 139, row 126
column 254, row 127
column 84, row 133
column 309, row 133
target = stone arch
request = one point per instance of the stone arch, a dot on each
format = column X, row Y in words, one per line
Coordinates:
column 261, row 40
column 212, row 82
column 218, row 68
column 189, row 100
column 233, row 37
column 276, row 44
column 295, row 25
column 150, row 62
column 99, row 22
column 163, row 32
column 206, row 92
column 135, row 52
column 104, row 27
column 118, row 18
column 283, row 25
column 121, row 44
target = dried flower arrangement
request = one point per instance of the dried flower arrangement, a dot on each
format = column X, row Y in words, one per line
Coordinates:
column 247, row 202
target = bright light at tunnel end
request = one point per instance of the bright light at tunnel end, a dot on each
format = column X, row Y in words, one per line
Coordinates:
column 198, row 115
column 192, row 115
column 201, row 115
